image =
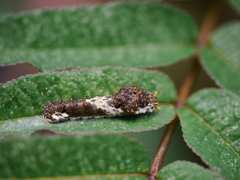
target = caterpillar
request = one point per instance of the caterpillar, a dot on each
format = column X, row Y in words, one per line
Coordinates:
column 129, row 100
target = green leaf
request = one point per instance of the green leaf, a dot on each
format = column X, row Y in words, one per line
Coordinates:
column 155, row 120
column 211, row 127
column 98, row 36
column 100, row 155
column 222, row 58
column 25, row 96
column 183, row 170
column 120, row 177
column 236, row 4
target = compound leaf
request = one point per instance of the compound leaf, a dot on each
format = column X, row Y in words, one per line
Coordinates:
column 211, row 127
column 222, row 58
column 98, row 36
column 182, row 170
column 25, row 97
column 81, row 157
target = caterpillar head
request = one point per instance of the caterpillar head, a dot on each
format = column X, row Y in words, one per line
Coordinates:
column 133, row 100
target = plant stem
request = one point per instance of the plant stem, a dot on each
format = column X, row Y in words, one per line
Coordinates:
column 209, row 22
column 162, row 149
column 182, row 98
column 207, row 27
column 188, row 83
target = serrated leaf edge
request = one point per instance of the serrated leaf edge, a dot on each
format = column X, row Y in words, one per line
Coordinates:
column 209, row 126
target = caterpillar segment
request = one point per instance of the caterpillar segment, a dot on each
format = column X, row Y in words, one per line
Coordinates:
column 129, row 100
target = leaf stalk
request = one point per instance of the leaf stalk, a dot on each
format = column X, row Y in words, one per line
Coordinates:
column 209, row 22
column 207, row 27
column 162, row 149
column 181, row 100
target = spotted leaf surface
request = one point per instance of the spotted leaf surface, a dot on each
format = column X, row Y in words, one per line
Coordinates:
column 98, row 36
column 222, row 58
column 78, row 157
column 183, row 170
column 25, row 97
column 211, row 127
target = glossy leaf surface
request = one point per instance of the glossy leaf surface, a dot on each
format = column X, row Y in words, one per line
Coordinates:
column 211, row 127
column 182, row 170
column 98, row 36
column 107, row 155
column 25, row 96
column 222, row 58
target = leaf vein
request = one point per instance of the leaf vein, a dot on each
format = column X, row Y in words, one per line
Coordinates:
column 212, row 129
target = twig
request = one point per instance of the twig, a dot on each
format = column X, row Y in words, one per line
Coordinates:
column 209, row 22
column 162, row 149
column 188, row 83
column 182, row 97
column 207, row 27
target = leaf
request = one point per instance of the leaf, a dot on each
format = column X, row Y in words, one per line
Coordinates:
column 222, row 58
column 155, row 120
column 183, row 170
column 98, row 36
column 236, row 4
column 121, row 177
column 211, row 127
column 25, row 96
column 100, row 155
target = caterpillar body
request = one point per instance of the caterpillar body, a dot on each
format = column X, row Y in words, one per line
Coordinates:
column 129, row 100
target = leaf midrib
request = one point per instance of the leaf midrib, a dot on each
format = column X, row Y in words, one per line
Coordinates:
column 17, row 118
column 120, row 46
column 83, row 176
column 225, row 58
column 211, row 128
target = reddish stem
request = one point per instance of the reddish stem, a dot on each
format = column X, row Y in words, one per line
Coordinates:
column 207, row 27
column 162, row 149
column 182, row 97
column 209, row 22
column 188, row 83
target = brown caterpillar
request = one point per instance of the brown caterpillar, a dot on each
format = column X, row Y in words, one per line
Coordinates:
column 128, row 100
